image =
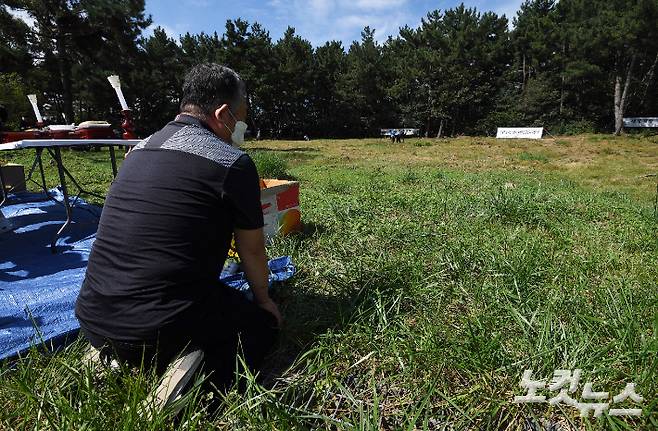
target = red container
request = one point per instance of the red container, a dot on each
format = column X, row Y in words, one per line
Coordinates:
column 59, row 134
column 6, row 137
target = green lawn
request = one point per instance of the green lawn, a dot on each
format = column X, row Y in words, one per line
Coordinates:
column 431, row 275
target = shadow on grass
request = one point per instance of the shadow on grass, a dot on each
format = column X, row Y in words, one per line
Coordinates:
column 308, row 312
column 311, row 316
column 306, row 316
column 315, row 307
column 309, row 230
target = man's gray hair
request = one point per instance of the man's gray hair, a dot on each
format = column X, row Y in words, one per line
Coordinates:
column 208, row 86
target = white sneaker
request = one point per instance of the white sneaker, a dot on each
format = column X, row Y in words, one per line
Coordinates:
column 178, row 375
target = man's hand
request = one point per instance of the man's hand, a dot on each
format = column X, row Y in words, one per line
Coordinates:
column 251, row 249
column 270, row 306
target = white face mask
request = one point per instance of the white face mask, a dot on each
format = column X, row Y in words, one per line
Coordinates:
column 237, row 135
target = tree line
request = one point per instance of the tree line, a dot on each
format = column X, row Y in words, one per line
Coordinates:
column 571, row 66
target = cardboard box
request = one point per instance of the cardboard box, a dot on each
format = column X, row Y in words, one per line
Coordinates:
column 280, row 202
column 14, row 177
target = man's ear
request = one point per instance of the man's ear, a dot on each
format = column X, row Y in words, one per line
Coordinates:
column 219, row 112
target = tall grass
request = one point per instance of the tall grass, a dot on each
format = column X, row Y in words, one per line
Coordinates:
column 422, row 295
column 270, row 164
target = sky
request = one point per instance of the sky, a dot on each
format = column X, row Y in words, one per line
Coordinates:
column 316, row 20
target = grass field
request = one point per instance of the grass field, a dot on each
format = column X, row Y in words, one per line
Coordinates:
column 431, row 275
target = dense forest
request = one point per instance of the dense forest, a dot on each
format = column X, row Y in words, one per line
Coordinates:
column 571, row 66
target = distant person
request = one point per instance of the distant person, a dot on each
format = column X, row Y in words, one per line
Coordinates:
column 151, row 286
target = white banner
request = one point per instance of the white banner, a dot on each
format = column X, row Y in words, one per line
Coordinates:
column 520, row 132
column 649, row 122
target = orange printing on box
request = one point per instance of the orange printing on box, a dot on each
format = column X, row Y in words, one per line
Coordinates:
column 280, row 203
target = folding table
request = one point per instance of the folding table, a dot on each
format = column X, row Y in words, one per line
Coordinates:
column 53, row 147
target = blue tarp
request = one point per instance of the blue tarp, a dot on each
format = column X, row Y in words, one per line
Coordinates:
column 281, row 269
column 38, row 289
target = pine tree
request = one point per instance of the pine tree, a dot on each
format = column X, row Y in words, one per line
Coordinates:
column 249, row 50
column 539, row 63
column 160, row 73
column 293, row 104
column 329, row 108
column 611, row 44
column 76, row 34
column 363, row 85
column 15, row 53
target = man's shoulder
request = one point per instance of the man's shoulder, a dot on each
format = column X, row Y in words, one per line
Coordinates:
column 201, row 142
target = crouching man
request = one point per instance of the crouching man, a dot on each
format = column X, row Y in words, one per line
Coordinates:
column 151, row 287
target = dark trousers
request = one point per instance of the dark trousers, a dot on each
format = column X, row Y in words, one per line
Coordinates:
column 227, row 324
